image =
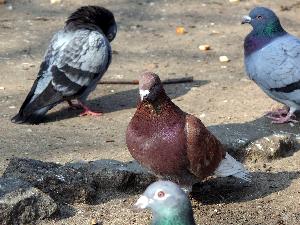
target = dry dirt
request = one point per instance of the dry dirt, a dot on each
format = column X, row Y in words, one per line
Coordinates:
column 220, row 95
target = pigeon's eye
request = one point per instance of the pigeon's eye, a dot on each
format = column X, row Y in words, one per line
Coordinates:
column 259, row 17
column 160, row 194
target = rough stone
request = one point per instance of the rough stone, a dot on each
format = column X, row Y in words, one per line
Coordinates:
column 62, row 183
column 112, row 174
column 241, row 139
column 79, row 181
column 20, row 203
column 269, row 148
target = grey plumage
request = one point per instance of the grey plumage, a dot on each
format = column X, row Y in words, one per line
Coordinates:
column 272, row 60
column 76, row 59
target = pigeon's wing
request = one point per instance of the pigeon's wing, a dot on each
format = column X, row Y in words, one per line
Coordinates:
column 41, row 82
column 204, row 151
column 276, row 68
column 75, row 60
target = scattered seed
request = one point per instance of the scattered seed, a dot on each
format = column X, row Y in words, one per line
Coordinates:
column 180, row 30
column 204, row 47
column 224, row 58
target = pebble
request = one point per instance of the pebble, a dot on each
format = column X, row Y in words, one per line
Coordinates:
column 10, row 7
column 2, row 1
column 12, row 107
column 224, row 58
column 232, row 1
column 27, row 66
column 55, row 1
column 204, row 47
column 94, row 222
column 2, row 88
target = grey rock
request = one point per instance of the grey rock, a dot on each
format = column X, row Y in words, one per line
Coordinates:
column 112, row 174
column 79, row 181
column 240, row 139
column 20, row 203
column 62, row 183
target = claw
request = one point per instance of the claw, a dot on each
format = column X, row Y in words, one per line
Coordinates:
column 283, row 119
column 277, row 113
column 87, row 111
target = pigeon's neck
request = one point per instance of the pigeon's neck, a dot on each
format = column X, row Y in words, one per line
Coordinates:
column 78, row 25
column 258, row 38
column 173, row 218
column 162, row 104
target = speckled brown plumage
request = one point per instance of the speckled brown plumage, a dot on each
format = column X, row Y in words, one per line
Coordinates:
column 170, row 142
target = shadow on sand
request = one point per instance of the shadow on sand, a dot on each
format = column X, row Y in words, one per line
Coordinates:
column 231, row 190
column 122, row 100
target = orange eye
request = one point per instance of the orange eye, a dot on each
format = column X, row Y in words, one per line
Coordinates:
column 259, row 17
column 161, row 194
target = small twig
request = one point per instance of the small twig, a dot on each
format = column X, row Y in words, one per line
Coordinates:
column 136, row 82
column 39, row 18
column 118, row 82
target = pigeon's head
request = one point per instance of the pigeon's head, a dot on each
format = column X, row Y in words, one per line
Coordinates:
column 150, row 86
column 164, row 198
column 93, row 17
column 264, row 21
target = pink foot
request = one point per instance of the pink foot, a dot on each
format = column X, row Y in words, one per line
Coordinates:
column 283, row 119
column 277, row 113
column 87, row 111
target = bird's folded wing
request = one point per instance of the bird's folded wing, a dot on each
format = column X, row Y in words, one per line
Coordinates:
column 83, row 59
column 204, row 151
column 276, row 67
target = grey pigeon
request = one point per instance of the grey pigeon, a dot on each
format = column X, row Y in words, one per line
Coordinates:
column 174, row 144
column 168, row 203
column 272, row 61
column 76, row 59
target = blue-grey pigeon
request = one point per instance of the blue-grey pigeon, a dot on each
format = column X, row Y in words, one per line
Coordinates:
column 168, row 203
column 76, row 59
column 272, row 61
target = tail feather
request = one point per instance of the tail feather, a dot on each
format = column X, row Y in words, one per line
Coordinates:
column 34, row 117
column 35, row 107
column 230, row 167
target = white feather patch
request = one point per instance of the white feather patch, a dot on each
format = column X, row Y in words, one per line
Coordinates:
column 230, row 167
column 144, row 93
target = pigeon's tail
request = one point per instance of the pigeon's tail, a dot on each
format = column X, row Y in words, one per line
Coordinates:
column 230, row 167
column 34, row 117
column 36, row 106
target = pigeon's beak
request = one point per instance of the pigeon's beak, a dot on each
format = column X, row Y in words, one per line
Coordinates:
column 141, row 203
column 144, row 94
column 246, row 19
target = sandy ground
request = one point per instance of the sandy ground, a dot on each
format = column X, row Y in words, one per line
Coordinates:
column 146, row 39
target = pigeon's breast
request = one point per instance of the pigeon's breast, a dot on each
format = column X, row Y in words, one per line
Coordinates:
column 159, row 145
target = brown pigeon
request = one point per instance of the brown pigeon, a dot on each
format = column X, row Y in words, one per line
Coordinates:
column 174, row 144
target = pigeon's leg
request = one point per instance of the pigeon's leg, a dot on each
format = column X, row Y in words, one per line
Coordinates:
column 73, row 105
column 277, row 113
column 285, row 119
column 87, row 111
